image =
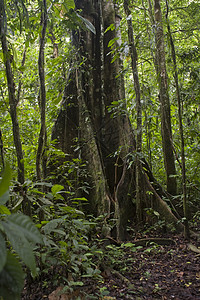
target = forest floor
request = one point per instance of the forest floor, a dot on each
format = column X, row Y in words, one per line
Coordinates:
column 152, row 271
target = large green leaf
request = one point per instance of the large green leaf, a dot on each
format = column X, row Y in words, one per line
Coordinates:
column 20, row 231
column 56, row 188
column 88, row 24
column 4, row 210
column 51, row 225
column 24, row 225
column 4, row 198
column 70, row 4
column 5, row 181
column 20, row 244
column 11, row 279
column 3, row 252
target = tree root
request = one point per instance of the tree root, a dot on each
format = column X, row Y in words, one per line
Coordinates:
column 159, row 241
column 122, row 277
column 195, row 235
column 193, row 248
column 142, row 242
column 163, row 208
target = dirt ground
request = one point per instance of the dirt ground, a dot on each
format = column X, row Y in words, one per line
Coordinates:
column 152, row 272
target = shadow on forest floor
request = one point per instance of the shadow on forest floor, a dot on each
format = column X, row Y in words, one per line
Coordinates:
column 152, row 272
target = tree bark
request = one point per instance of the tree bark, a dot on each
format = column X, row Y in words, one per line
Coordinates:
column 169, row 160
column 13, row 108
column 178, row 94
column 20, row 80
column 93, row 112
column 42, row 96
column 1, row 150
column 53, row 40
column 133, row 52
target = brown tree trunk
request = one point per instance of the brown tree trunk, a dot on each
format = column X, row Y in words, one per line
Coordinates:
column 42, row 96
column 79, row 123
column 169, row 160
column 20, row 80
column 53, row 40
column 133, row 52
column 117, row 136
column 13, row 107
column 94, row 113
column 183, row 169
column 1, row 150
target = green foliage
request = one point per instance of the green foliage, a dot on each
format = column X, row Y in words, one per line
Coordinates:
column 72, row 243
column 11, row 278
column 22, row 234
column 19, row 233
column 4, row 184
column 66, row 244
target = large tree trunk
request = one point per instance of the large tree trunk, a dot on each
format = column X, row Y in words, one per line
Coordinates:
column 178, row 94
column 94, row 113
column 117, row 136
column 169, row 160
column 133, row 52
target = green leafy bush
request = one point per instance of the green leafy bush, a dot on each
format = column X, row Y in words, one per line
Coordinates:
column 67, row 246
column 18, row 236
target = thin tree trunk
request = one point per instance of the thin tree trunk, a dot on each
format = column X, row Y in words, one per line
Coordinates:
column 13, row 108
column 53, row 40
column 152, row 21
column 1, row 150
column 185, row 202
column 133, row 53
column 20, row 81
column 11, row 92
column 42, row 96
column 169, row 160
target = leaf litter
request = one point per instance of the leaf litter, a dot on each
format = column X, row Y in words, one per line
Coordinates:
column 152, row 272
